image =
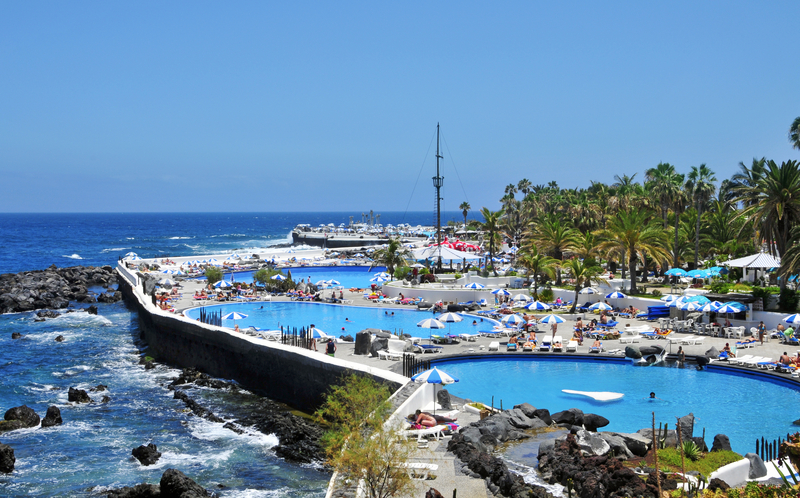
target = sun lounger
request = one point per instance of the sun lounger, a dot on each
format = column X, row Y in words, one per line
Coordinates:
column 419, row 471
column 527, row 347
column 494, row 346
column 736, row 360
column 593, row 349
column 469, row 337
column 572, row 347
column 427, row 348
column 558, row 343
column 686, row 340
column 754, row 361
column 387, row 354
column 437, row 431
column 545, row 345
column 629, row 339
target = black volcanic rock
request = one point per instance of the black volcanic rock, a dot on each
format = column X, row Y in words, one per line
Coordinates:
column 7, row 459
column 52, row 417
column 173, row 484
column 53, row 288
column 147, row 455
column 78, row 396
column 23, row 414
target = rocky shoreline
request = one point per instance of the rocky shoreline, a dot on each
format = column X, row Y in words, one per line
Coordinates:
column 583, row 460
column 55, row 288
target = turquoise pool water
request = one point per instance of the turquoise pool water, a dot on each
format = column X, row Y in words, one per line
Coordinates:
column 333, row 319
column 742, row 407
column 348, row 276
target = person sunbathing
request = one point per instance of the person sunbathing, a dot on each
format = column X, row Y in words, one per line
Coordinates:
column 597, row 344
column 429, row 420
column 557, row 345
column 785, row 359
column 578, row 336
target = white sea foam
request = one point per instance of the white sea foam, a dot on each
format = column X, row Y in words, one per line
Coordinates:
column 211, row 431
column 81, row 319
column 72, row 256
column 259, row 493
column 180, row 238
column 171, row 459
column 114, row 249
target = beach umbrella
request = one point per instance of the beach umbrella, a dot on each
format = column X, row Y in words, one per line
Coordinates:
column 234, row 315
column 383, row 274
column 430, row 323
column 166, row 281
column 676, row 272
column 333, row 283
column 669, row 298
column 697, row 274
column 318, row 334
column 728, row 309
column 222, row 284
column 501, row 292
column 709, row 307
column 616, row 295
column 449, row 317
column 690, row 306
column 537, row 305
column 131, row 255
column 474, row 285
column 550, row 319
column 379, row 280
column 793, row 319
column 133, row 258
column 512, row 320
column 321, row 283
column 434, row 376
column 601, row 306
column 521, row 297
column 279, row 277
column 588, row 290
column 213, row 261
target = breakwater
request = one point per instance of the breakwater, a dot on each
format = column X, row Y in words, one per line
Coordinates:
column 292, row 375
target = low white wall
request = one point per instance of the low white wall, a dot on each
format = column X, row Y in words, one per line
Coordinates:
column 734, row 474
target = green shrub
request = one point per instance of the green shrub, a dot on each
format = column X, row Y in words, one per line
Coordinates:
column 423, row 271
column 691, row 450
column 656, row 293
column 546, row 295
column 512, row 273
column 762, row 293
column 670, row 460
column 458, row 275
column 213, row 275
column 719, row 287
column 741, row 288
column 788, row 300
column 402, row 272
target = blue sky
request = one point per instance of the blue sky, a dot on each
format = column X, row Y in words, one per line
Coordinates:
column 294, row 106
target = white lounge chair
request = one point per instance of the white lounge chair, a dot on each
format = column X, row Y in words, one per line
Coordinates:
column 687, row 340
column 558, row 343
column 545, row 345
column 629, row 339
column 437, row 431
column 739, row 359
column 419, row 471
column 572, row 347
column 469, row 337
column 494, row 346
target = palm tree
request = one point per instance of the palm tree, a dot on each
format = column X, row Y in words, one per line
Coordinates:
column 465, row 207
column 511, row 189
column 790, row 262
column 631, row 232
column 794, row 133
column 776, row 203
column 491, row 229
column 554, row 237
column 666, row 184
column 392, row 256
column 524, row 186
column 538, row 264
column 583, row 275
column 701, row 186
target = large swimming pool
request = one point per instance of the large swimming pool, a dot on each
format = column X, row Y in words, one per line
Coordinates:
column 742, row 407
column 338, row 320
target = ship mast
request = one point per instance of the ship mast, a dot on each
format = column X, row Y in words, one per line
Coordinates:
column 438, row 181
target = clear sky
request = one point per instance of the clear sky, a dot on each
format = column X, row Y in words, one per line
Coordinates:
column 309, row 106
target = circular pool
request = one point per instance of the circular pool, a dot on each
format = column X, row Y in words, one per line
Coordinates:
column 743, row 407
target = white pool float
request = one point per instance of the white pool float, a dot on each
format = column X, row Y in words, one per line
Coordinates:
column 596, row 395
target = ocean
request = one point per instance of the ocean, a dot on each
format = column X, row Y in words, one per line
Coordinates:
column 91, row 451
